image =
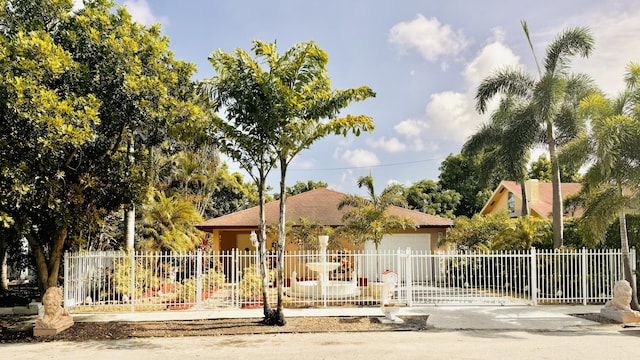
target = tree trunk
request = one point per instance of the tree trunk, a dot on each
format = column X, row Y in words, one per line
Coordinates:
column 262, row 245
column 4, row 280
column 48, row 269
column 525, row 197
column 282, row 235
column 626, row 261
column 557, row 192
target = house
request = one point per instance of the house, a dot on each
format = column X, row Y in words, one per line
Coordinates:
column 508, row 196
column 320, row 205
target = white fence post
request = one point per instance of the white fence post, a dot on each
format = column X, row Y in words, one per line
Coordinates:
column 66, row 280
column 533, row 286
column 132, row 254
column 199, row 279
column 585, row 291
column 409, row 277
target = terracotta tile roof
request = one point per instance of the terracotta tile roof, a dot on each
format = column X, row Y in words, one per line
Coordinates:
column 318, row 205
column 544, row 205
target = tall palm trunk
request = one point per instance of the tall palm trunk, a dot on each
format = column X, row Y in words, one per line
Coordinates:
column 557, row 192
column 525, row 197
column 626, row 260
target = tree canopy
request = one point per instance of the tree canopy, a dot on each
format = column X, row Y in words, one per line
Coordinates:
column 78, row 88
column 277, row 105
column 550, row 101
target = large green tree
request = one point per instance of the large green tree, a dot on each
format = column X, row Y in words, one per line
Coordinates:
column 462, row 173
column 77, row 89
column 294, row 106
column 611, row 183
column 541, row 170
column 551, row 100
column 429, row 197
column 299, row 187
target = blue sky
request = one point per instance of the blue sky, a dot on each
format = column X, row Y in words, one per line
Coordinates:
column 424, row 59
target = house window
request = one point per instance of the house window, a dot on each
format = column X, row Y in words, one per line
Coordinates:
column 511, row 202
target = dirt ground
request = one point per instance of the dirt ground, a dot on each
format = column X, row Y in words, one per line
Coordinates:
column 17, row 329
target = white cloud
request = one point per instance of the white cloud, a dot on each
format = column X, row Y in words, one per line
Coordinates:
column 141, row 12
column 391, row 145
column 360, row 158
column 412, row 127
column 451, row 115
column 428, row 36
column 616, row 44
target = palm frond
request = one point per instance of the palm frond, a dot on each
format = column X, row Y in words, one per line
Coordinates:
column 577, row 41
column 507, row 82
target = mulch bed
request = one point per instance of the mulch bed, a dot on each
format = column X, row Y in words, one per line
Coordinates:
column 15, row 329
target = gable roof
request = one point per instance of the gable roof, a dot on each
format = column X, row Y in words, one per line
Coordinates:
column 543, row 205
column 318, row 205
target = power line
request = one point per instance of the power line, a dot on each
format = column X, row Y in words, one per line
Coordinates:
column 366, row 167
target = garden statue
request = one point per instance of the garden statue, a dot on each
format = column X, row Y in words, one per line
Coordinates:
column 618, row 308
column 56, row 318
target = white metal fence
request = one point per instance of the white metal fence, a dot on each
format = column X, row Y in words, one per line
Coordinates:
column 156, row 281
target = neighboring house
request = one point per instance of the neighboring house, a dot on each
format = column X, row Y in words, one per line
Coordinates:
column 508, row 196
column 320, row 206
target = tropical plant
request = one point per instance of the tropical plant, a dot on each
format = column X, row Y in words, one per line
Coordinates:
column 550, row 102
column 476, row 233
column 522, row 233
column 506, row 141
column 611, row 183
column 169, row 224
column 368, row 220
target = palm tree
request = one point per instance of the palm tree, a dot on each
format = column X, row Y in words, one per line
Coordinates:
column 368, row 219
column 611, row 183
column 168, row 224
column 506, row 141
column 551, row 100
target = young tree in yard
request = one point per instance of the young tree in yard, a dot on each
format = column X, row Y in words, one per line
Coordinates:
column 551, row 100
column 290, row 100
column 77, row 88
column 611, row 183
column 241, row 91
column 368, row 219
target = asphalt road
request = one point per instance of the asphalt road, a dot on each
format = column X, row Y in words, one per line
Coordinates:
column 612, row 342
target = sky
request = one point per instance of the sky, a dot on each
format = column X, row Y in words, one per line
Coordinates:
column 424, row 59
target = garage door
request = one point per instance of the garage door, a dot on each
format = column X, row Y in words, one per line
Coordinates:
column 402, row 241
column 373, row 266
